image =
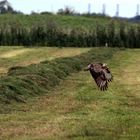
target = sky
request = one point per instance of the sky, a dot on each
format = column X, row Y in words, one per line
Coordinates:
column 127, row 8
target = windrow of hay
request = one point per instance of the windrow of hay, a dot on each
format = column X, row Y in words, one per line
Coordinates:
column 25, row 82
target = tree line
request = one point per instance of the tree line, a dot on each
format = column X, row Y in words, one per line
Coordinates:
column 53, row 35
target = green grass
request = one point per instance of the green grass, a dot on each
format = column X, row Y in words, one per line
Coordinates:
column 21, row 56
column 63, row 21
column 78, row 110
column 20, row 83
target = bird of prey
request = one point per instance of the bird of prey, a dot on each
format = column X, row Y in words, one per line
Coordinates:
column 101, row 74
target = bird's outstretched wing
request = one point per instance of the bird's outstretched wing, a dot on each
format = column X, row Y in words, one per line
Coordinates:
column 101, row 74
column 101, row 81
column 104, row 76
column 107, row 74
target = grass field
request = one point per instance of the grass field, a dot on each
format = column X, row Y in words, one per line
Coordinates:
column 20, row 56
column 77, row 109
column 65, row 21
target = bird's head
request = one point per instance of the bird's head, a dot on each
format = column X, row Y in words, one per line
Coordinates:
column 104, row 65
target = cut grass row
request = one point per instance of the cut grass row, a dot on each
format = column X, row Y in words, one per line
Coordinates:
column 25, row 82
column 21, row 56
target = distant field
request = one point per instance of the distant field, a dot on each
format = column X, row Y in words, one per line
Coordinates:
column 64, row 21
column 60, row 20
column 20, row 56
column 77, row 109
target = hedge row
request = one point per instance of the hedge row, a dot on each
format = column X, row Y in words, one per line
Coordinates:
column 111, row 34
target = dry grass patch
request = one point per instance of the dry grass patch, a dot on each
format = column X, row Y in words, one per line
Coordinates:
column 14, row 53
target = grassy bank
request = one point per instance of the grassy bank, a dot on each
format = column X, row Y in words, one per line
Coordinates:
column 65, row 21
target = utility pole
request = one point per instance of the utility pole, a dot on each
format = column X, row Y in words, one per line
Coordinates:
column 89, row 8
column 104, row 9
column 117, row 10
column 137, row 10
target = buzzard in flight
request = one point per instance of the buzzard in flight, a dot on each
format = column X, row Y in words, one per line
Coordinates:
column 101, row 74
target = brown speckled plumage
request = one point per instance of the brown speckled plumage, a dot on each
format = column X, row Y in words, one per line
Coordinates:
column 101, row 74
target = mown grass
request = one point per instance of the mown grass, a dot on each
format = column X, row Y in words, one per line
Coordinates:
column 21, row 56
column 78, row 110
column 24, row 82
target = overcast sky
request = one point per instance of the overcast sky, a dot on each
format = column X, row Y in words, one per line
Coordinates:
column 127, row 8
